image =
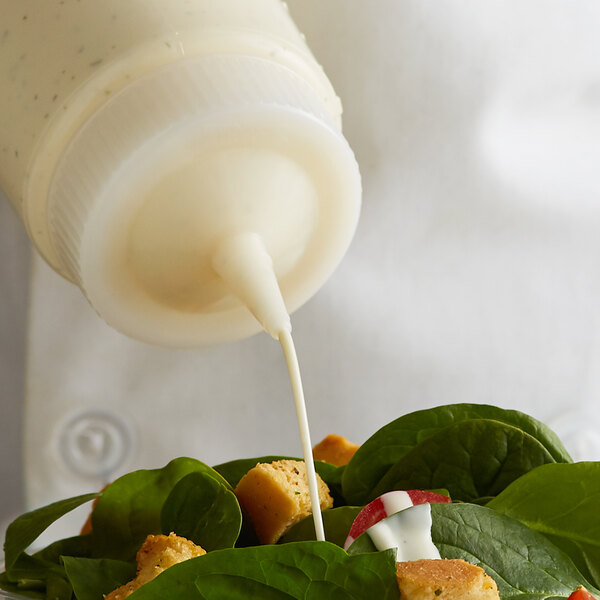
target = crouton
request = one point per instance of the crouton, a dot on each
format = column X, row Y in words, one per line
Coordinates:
column 275, row 496
column 444, row 580
column 158, row 552
column 335, row 449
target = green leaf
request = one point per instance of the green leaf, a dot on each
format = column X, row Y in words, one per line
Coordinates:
column 80, row 545
column 247, row 535
column 203, row 510
column 58, row 588
column 130, row 507
column 388, row 445
column 562, row 501
column 44, row 570
column 523, row 562
column 25, row 529
column 301, row 570
column 31, row 591
column 30, row 568
column 37, row 576
column 332, row 476
column 363, row 543
column 92, row 578
column 336, row 521
column 470, row 459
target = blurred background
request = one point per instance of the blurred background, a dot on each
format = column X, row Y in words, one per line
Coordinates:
column 474, row 275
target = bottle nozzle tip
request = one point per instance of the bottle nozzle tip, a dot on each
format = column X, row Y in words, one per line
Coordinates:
column 244, row 263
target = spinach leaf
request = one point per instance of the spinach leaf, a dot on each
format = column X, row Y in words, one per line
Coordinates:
column 30, row 568
column 130, row 507
column 363, row 544
column 470, row 459
column 336, row 521
column 332, row 476
column 37, row 576
column 203, row 510
column 562, row 501
column 92, row 578
column 80, row 545
column 44, row 570
column 388, row 445
column 30, row 589
column 247, row 535
column 521, row 561
column 301, row 570
column 25, row 529
column 58, row 588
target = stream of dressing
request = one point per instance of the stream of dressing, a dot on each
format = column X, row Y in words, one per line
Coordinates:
column 243, row 262
column 289, row 352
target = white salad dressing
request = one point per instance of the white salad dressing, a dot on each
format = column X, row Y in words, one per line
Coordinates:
column 395, row 501
column 244, row 264
column 409, row 531
column 289, row 352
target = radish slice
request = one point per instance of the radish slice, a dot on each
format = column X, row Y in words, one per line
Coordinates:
column 581, row 594
column 386, row 505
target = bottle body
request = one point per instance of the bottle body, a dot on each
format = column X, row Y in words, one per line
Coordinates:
column 72, row 69
column 60, row 61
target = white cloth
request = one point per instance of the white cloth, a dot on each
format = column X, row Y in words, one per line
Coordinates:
column 473, row 276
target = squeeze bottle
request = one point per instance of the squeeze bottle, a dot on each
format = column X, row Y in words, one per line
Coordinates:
column 181, row 161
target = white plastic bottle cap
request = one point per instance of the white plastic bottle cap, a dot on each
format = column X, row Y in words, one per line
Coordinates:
column 196, row 152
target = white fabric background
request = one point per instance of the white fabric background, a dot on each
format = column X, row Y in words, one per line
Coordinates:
column 473, row 277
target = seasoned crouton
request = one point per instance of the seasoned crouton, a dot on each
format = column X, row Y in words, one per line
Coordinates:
column 158, row 552
column 275, row 496
column 444, row 580
column 335, row 449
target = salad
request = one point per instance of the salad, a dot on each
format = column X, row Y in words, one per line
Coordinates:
column 521, row 509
